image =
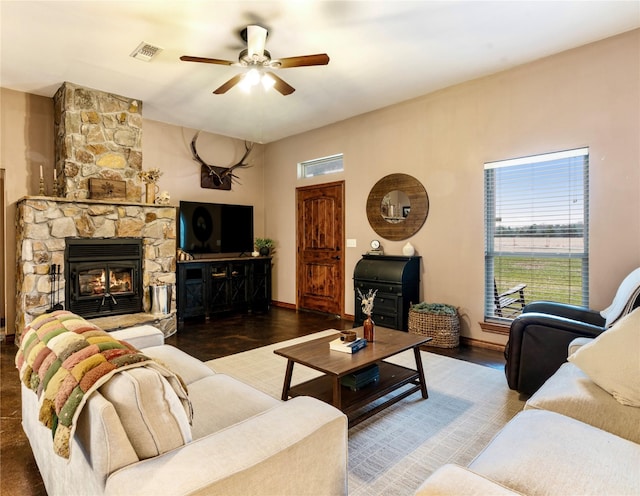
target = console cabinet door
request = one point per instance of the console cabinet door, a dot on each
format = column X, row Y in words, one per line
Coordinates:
column 239, row 273
column 192, row 291
column 218, row 298
column 261, row 285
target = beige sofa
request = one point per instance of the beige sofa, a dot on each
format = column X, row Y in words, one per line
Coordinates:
column 133, row 437
column 573, row 437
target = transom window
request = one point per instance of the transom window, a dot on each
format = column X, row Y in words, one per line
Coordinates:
column 321, row 166
column 536, row 231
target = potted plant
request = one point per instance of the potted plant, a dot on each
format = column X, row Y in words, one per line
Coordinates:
column 264, row 246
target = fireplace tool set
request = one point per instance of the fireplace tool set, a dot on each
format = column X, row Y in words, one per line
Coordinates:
column 54, row 277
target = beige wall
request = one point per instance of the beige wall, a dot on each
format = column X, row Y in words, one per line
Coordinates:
column 168, row 147
column 26, row 141
column 589, row 96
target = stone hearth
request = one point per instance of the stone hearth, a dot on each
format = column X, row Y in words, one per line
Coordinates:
column 43, row 223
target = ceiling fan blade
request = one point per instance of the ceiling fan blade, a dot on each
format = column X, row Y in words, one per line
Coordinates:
column 256, row 39
column 281, row 85
column 187, row 58
column 229, row 84
column 302, row 60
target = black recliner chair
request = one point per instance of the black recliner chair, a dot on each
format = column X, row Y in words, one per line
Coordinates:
column 540, row 336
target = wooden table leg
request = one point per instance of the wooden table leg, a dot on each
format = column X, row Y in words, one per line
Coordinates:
column 287, row 380
column 420, row 370
column 337, row 393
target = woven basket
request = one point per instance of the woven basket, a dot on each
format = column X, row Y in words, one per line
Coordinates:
column 444, row 329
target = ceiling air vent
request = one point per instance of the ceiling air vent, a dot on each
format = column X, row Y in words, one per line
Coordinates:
column 145, row 51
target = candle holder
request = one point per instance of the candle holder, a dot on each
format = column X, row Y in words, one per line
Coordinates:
column 56, row 184
column 41, row 191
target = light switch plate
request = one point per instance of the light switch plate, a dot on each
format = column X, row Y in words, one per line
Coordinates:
column 351, row 243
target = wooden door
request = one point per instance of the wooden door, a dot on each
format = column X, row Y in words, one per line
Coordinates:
column 3, row 280
column 320, row 237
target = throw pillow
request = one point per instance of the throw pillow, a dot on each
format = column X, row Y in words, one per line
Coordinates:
column 612, row 360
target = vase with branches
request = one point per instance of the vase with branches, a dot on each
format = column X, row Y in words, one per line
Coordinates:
column 150, row 178
column 367, row 309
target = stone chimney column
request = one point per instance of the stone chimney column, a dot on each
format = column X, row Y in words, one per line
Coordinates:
column 98, row 136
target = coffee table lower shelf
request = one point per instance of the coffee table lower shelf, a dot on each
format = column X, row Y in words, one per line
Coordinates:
column 392, row 378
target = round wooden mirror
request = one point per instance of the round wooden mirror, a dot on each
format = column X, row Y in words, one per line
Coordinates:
column 397, row 206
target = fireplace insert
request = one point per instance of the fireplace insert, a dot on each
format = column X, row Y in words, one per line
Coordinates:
column 104, row 276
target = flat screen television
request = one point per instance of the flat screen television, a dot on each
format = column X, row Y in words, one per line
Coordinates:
column 215, row 228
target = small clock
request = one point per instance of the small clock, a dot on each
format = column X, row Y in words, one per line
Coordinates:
column 376, row 249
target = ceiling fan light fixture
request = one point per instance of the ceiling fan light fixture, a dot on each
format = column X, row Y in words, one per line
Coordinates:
column 250, row 79
column 267, row 82
column 253, row 77
column 256, row 61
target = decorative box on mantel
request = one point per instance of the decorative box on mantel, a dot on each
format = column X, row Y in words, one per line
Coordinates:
column 44, row 223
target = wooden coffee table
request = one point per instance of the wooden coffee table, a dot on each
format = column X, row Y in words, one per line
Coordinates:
column 335, row 365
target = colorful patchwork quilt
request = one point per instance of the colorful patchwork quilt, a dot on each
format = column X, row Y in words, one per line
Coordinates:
column 64, row 358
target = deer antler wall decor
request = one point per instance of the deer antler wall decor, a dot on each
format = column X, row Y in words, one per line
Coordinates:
column 214, row 176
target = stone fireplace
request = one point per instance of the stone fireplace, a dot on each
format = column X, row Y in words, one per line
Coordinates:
column 44, row 226
column 98, row 139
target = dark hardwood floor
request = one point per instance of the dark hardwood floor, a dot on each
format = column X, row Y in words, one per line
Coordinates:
column 241, row 332
column 205, row 340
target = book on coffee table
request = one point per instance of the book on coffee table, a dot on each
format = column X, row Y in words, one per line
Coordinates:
column 361, row 378
column 347, row 346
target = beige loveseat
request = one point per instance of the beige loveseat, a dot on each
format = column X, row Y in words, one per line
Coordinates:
column 579, row 434
column 133, row 438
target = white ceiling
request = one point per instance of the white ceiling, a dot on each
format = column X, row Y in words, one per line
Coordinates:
column 382, row 52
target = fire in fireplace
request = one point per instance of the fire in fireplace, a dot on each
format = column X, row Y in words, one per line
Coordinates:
column 94, row 281
column 104, row 276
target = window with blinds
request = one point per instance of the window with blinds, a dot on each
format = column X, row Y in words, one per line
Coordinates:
column 321, row 166
column 536, row 231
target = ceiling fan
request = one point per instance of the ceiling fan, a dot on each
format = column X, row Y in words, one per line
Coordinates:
column 259, row 61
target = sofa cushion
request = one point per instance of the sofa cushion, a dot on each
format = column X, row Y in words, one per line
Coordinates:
column 453, row 479
column 150, row 411
column 612, row 361
column 220, row 401
column 141, row 336
column 189, row 369
column 570, row 392
column 543, row 453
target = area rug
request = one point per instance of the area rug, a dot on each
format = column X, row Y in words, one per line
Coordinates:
column 394, row 451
